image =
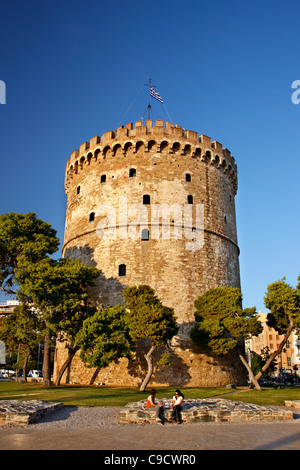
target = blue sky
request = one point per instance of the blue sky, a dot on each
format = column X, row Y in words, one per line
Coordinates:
column 224, row 68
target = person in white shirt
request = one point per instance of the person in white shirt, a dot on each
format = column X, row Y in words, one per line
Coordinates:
column 177, row 407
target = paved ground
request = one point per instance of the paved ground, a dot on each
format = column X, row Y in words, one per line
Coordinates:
column 98, row 429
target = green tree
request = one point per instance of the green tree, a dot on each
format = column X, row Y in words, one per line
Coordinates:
column 283, row 301
column 58, row 289
column 22, row 235
column 20, row 332
column 104, row 338
column 259, row 360
column 148, row 319
column 222, row 324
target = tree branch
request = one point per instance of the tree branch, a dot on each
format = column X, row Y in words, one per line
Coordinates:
column 278, row 351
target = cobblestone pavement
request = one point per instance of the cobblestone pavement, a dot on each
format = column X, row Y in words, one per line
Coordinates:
column 97, row 429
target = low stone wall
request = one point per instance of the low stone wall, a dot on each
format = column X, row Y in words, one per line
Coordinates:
column 292, row 403
column 205, row 410
column 22, row 413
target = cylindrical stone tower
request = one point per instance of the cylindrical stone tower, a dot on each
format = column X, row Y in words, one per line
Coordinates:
column 154, row 204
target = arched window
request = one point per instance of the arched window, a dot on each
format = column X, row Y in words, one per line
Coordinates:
column 164, row 146
column 140, row 146
column 190, row 199
column 78, row 189
column 187, row 149
column 132, row 172
column 103, row 178
column 92, row 216
column 151, row 145
column 122, row 270
column 176, row 147
column 146, row 199
column 145, row 234
column 188, row 177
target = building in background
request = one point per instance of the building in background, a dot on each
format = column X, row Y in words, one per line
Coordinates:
column 289, row 360
column 8, row 307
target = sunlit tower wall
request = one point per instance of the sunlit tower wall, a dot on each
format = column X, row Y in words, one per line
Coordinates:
column 113, row 179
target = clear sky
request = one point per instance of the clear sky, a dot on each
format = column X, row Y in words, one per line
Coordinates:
column 223, row 67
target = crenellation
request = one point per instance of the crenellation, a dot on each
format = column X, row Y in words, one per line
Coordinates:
column 149, row 124
column 141, row 130
column 226, row 152
column 176, row 132
column 205, row 140
column 107, row 136
column 94, row 141
column 122, row 132
column 158, row 138
column 83, row 147
column 158, row 131
column 217, row 146
column 74, row 155
column 192, row 136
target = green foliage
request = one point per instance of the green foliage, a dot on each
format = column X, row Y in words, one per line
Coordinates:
column 21, row 330
column 147, row 317
column 59, row 289
column 221, row 321
column 22, row 236
column 283, row 301
column 104, row 338
column 165, row 360
column 259, row 360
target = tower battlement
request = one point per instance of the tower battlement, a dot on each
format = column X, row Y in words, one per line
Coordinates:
column 169, row 139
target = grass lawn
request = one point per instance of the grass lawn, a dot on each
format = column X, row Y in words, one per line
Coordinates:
column 268, row 396
column 93, row 396
column 74, row 395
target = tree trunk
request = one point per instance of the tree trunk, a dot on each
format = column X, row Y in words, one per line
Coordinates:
column 277, row 352
column 94, row 376
column 25, row 365
column 46, row 361
column 250, row 372
column 149, row 360
column 71, row 354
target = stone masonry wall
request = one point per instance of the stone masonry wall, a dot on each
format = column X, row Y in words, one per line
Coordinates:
column 184, row 172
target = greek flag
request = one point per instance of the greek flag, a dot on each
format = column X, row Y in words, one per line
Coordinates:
column 155, row 95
